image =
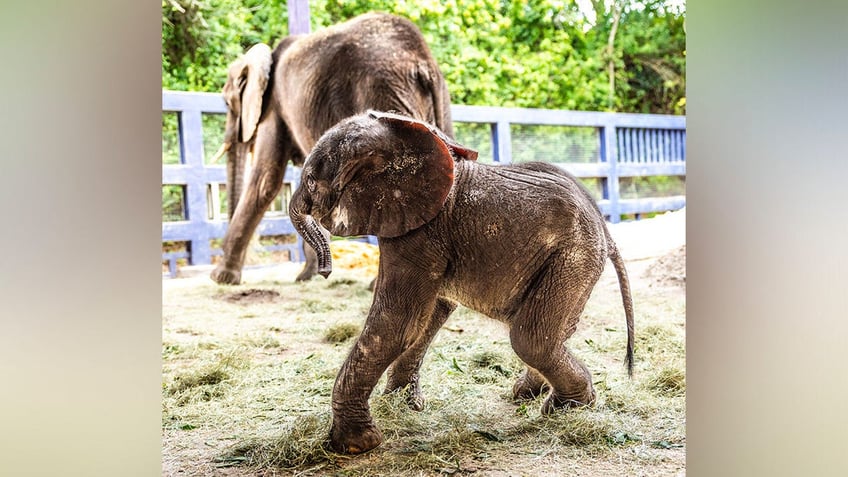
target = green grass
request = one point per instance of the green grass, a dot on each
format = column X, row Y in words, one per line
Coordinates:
column 341, row 332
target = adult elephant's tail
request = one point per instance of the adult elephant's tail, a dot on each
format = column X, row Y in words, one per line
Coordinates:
column 626, row 298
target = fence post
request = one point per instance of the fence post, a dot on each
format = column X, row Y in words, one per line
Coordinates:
column 191, row 141
column 298, row 17
column 609, row 154
column 501, row 142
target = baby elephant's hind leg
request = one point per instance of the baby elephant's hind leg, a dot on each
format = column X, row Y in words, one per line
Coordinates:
column 529, row 385
column 547, row 318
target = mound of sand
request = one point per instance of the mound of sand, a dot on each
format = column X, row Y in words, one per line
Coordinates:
column 670, row 269
column 659, row 243
column 650, row 238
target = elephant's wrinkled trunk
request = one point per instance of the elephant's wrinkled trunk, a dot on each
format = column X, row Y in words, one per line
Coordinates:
column 236, row 160
column 308, row 228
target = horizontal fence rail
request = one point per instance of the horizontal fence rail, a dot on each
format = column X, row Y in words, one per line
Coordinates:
column 622, row 146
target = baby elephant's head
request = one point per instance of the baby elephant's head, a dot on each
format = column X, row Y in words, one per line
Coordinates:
column 373, row 174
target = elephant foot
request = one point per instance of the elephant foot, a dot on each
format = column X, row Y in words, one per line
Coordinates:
column 554, row 402
column 306, row 274
column 354, row 439
column 412, row 395
column 528, row 386
column 225, row 276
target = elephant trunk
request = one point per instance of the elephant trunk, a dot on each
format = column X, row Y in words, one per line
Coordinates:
column 236, row 160
column 308, row 228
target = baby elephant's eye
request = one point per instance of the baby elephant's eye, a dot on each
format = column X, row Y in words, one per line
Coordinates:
column 310, row 183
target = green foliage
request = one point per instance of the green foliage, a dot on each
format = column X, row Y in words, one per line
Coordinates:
column 173, row 203
column 213, row 135
column 537, row 53
column 200, row 38
column 170, row 139
column 651, row 186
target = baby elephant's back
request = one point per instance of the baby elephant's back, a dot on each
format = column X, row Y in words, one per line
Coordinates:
column 511, row 224
column 529, row 198
column 508, row 221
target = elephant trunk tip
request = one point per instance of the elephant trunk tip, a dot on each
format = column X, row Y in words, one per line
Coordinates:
column 325, row 271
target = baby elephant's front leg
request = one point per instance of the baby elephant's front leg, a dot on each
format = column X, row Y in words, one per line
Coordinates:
column 397, row 319
column 385, row 337
column 353, row 429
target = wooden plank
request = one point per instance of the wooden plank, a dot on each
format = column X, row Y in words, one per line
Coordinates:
column 215, row 174
column 652, row 169
column 276, row 226
column 609, row 155
column 298, row 17
column 582, row 169
column 182, row 231
column 654, row 156
column 673, row 146
column 184, row 174
column 659, row 204
column 502, row 143
column 652, row 145
column 193, row 101
column 490, row 114
column 191, row 141
column 623, row 153
column 292, row 176
column 215, row 200
column 174, row 175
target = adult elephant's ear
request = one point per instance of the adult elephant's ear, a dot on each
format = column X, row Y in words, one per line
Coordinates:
column 396, row 180
column 247, row 79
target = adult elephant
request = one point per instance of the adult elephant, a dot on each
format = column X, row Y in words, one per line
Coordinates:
column 281, row 102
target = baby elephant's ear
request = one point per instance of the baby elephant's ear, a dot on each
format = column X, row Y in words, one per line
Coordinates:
column 458, row 150
column 399, row 185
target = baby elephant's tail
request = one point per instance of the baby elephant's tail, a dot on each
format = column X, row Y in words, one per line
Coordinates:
column 626, row 298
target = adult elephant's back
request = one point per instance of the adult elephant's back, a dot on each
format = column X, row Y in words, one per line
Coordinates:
column 375, row 61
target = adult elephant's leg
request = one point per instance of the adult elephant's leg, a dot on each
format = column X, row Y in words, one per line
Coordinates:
column 266, row 180
column 547, row 318
column 404, row 373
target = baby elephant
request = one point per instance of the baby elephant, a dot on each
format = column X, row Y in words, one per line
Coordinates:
column 523, row 244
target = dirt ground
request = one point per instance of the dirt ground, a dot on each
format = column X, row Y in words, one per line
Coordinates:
column 262, row 337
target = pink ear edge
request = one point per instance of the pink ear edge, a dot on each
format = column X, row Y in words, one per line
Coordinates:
column 463, row 152
column 457, row 149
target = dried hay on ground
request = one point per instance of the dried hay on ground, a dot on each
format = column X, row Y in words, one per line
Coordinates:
column 248, row 372
column 361, row 257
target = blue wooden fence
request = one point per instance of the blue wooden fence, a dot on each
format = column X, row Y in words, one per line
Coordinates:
column 630, row 145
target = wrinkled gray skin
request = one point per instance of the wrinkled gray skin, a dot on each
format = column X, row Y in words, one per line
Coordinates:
column 280, row 103
column 523, row 244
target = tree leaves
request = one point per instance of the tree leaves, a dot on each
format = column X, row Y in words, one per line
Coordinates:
column 539, row 53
